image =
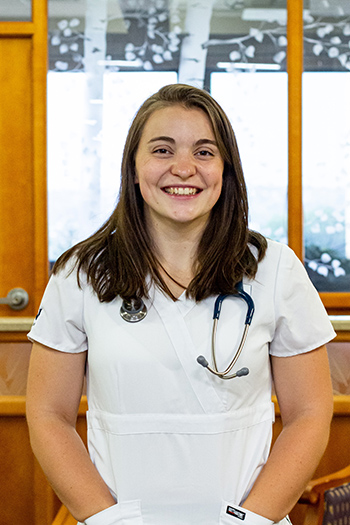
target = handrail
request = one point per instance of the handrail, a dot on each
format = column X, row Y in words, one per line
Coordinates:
column 15, row 405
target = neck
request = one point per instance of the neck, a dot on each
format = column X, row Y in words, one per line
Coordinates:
column 176, row 250
column 174, row 281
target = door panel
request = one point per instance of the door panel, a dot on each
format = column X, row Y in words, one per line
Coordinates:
column 16, row 170
column 23, row 222
column 25, row 496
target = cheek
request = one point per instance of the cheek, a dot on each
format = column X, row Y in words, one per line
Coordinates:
column 145, row 188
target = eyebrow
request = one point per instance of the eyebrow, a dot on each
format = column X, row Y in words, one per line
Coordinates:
column 172, row 141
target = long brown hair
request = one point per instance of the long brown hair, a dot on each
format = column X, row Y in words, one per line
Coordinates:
column 119, row 257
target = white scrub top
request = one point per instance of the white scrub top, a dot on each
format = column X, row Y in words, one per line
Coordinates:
column 175, row 444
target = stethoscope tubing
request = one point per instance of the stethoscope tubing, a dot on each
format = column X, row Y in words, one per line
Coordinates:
column 225, row 374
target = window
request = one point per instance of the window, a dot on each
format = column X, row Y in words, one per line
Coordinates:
column 238, row 51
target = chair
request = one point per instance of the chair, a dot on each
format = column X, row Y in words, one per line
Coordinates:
column 328, row 499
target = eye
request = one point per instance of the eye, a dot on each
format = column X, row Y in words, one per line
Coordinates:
column 161, row 151
column 205, row 153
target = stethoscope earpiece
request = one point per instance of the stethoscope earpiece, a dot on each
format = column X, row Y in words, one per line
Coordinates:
column 242, row 372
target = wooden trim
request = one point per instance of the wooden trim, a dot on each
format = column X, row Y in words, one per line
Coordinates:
column 339, row 301
column 13, row 337
column 295, row 70
column 342, row 337
column 12, row 405
column 341, row 405
column 17, row 28
column 40, row 67
column 16, row 406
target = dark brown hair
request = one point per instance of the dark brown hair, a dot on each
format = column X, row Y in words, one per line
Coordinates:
column 119, row 257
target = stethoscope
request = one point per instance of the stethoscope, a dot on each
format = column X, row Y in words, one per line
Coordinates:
column 134, row 310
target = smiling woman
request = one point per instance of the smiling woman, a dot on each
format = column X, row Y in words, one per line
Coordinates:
column 181, row 223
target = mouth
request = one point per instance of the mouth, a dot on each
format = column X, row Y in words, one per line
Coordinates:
column 181, row 190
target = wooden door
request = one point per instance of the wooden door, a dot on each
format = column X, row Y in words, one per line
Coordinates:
column 23, row 222
column 25, row 496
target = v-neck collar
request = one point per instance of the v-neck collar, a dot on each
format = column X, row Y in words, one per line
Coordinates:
column 183, row 304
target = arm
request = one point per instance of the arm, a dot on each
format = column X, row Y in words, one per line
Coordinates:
column 304, row 393
column 54, row 389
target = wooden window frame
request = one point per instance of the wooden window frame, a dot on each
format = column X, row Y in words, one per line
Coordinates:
column 336, row 303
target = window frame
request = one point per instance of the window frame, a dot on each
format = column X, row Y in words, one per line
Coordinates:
column 336, row 303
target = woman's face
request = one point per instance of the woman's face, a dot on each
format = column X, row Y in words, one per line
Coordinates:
column 178, row 167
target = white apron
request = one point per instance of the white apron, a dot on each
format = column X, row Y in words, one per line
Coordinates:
column 178, row 445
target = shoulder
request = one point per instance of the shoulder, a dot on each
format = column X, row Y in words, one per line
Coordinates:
column 275, row 252
column 278, row 254
column 280, row 269
column 71, row 273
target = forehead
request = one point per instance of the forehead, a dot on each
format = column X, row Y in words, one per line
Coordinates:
column 178, row 119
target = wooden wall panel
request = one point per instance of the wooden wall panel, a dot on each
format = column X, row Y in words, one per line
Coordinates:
column 27, row 498
column 16, row 471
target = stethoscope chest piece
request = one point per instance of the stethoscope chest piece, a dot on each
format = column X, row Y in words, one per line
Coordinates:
column 133, row 310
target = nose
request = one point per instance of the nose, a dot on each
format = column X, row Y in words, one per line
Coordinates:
column 183, row 166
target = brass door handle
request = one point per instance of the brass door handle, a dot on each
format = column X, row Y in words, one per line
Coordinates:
column 17, row 299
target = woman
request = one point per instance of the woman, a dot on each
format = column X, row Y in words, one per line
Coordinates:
column 170, row 443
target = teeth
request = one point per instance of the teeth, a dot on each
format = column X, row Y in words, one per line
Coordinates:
column 181, row 191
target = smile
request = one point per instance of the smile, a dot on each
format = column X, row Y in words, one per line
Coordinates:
column 181, row 191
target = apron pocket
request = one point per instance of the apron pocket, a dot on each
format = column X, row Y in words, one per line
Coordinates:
column 122, row 513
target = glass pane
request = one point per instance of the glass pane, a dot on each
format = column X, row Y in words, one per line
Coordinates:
column 84, row 169
column 15, row 10
column 100, row 53
column 326, row 145
column 251, row 100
